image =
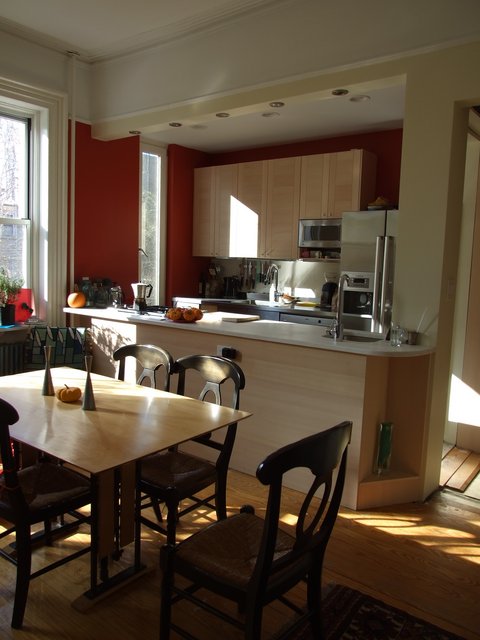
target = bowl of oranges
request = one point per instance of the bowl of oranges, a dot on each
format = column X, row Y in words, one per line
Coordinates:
column 184, row 314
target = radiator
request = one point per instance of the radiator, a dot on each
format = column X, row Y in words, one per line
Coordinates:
column 11, row 358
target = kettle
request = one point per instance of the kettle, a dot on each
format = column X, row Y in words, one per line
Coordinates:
column 141, row 292
column 328, row 291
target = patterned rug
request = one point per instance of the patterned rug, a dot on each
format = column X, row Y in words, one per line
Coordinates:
column 351, row 615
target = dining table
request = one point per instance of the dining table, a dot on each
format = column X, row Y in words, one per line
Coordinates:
column 107, row 442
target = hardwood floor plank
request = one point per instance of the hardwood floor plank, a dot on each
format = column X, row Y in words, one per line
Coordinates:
column 465, row 473
column 451, row 462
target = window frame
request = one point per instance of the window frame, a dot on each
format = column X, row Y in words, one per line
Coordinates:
column 49, row 211
column 161, row 151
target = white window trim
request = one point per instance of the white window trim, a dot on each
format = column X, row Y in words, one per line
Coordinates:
column 49, row 200
column 161, row 151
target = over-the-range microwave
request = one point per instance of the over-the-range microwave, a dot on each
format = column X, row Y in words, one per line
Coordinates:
column 323, row 233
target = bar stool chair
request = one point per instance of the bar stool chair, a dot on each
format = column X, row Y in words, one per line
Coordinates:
column 173, row 476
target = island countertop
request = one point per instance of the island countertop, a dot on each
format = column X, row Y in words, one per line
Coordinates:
column 263, row 330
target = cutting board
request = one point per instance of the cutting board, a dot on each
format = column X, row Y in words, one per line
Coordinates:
column 239, row 318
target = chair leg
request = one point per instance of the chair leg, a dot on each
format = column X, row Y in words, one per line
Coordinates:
column 221, row 497
column 156, row 509
column 172, row 518
column 166, row 566
column 253, row 621
column 24, row 564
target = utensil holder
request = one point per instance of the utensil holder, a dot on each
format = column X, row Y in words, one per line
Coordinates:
column 47, row 389
column 88, row 403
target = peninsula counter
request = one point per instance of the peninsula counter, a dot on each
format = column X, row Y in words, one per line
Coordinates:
column 299, row 382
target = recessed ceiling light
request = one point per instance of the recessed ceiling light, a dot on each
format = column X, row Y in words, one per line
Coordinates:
column 270, row 114
column 222, row 114
column 362, row 98
column 174, row 124
column 339, row 92
column 134, row 132
column 277, row 104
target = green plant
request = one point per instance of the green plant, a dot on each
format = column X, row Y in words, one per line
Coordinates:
column 9, row 287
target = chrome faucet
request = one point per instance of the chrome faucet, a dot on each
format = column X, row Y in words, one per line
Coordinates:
column 273, row 270
column 336, row 330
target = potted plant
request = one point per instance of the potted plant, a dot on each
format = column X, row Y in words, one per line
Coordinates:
column 9, row 289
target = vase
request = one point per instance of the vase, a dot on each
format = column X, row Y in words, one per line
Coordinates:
column 47, row 389
column 88, row 397
column 7, row 315
column 384, row 448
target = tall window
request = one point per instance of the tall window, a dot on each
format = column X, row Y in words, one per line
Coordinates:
column 33, row 193
column 14, row 196
column 152, row 222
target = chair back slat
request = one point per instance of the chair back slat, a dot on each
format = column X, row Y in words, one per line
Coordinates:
column 214, row 372
column 152, row 358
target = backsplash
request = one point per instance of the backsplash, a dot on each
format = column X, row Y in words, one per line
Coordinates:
column 303, row 279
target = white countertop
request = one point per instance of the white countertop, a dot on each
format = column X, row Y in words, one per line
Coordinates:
column 266, row 330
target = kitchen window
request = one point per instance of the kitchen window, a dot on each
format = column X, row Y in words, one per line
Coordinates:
column 33, row 193
column 152, row 241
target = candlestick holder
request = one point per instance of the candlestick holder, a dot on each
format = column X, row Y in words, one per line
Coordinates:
column 88, row 397
column 47, row 389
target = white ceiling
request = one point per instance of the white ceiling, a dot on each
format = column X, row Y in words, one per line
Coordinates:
column 102, row 29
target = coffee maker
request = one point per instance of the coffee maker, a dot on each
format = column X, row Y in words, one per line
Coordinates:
column 141, row 292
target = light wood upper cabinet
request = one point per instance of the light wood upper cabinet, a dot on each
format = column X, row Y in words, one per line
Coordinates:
column 336, row 182
column 278, row 229
column 213, row 189
column 251, row 209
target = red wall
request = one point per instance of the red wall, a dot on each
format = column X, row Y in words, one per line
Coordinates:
column 107, row 188
column 183, row 270
column 107, row 199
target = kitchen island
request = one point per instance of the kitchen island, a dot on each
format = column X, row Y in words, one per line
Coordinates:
column 298, row 382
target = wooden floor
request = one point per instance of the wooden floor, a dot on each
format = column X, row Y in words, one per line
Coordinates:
column 421, row 557
column 460, row 470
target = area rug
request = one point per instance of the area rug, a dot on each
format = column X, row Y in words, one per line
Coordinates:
column 351, row 615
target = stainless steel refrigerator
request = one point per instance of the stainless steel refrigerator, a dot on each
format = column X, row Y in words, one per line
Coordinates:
column 368, row 258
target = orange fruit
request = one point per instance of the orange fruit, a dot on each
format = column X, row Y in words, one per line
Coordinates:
column 175, row 314
column 76, row 300
column 189, row 315
column 198, row 313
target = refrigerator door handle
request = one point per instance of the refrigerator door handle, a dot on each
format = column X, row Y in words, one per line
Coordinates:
column 387, row 283
column 377, row 286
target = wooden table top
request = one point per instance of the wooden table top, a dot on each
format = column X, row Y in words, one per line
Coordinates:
column 129, row 422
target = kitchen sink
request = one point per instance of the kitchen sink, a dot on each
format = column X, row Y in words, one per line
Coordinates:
column 362, row 338
column 358, row 338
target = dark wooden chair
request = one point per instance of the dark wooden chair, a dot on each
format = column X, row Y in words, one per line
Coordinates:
column 173, row 476
column 252, row 561
column 153, row 359
column 36, row 494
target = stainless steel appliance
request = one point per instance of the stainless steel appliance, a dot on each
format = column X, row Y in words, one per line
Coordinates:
column 323, row 233
column 141, row 292
column 368, row 258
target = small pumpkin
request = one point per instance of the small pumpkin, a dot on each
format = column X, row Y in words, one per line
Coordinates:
column 69, row 394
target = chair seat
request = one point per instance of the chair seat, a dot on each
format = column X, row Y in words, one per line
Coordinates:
column 178, row 470
column 227, row 550
column 40, row 485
